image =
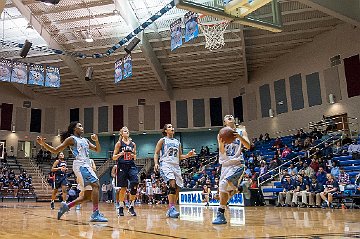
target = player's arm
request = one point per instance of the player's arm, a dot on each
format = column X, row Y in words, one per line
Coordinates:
column 93, row 165
column 97, row 146
column 54, row 168
column 188, row 155
column 133, row 155
column 221, row 145
column 244, row 139
column 156, row 154
column 67, row 142
column 116, row 154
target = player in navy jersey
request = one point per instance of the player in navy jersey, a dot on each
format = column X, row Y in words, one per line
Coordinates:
column 125, row 154
column 170, row 152
column 85, row 175
column 232, row 166
column 59, row 168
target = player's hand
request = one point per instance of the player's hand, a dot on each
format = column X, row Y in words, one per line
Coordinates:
column 192, row 153
column 133, row 155
column 63, row 168
column 94, row 137
column 156, row 168
column 40, row 140
column 236, row 135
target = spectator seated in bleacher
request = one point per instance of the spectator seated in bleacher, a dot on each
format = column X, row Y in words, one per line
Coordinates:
column 267, row 137
column 335, row 170
column 321, row 176
column 338, row 149
column 286, row 152
column 301, row 189
column 314, row 164
column 354, row 150
column 292, row 169
column 327, row 151
column 315, row 134
column 315, row 189
column 343, row 179
column 277, row 143
column 308, row 171
column 331, row 188
column 288, row 188
column 346, row 140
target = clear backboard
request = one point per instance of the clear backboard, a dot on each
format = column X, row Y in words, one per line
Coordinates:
column 263, row 14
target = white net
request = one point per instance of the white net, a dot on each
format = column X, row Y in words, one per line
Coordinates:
column 214, row 34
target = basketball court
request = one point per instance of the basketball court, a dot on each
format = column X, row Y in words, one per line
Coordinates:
column 85, row 38
column 35, row 220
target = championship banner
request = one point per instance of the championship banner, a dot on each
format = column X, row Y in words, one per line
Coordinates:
column 36, row 74
column 118, row 71
column 5, row 70
column 19, row 72
column 52, row 78
column 127, row 66
column 176, row 35
column 195, row 198
column 191, row 26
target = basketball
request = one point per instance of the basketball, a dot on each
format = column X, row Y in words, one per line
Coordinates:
column 227, row 135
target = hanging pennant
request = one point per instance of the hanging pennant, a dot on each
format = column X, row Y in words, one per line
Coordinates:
column 19, row 72
column 118, row 71
column 191, row 26
column 127, row 66
column 176, row 35
column 36, row 74
column 52, row 78
column 5, row 70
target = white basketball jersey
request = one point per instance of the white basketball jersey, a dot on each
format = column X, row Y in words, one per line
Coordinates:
column 170, row 151
column 233, row 154
column 80, row 150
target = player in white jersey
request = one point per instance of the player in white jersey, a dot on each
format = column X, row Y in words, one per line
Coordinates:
column 170, row 152
column 232, row 166
column 81, row 166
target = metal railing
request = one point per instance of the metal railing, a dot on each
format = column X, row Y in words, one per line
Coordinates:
column 103, row 168
column 39, row 174
column 278, row 168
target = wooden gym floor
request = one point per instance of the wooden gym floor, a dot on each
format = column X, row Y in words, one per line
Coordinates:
column 36, row 220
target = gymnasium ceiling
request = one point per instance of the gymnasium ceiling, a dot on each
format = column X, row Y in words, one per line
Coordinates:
column 155, row 67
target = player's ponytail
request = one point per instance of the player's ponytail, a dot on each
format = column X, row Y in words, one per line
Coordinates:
column 70, row 131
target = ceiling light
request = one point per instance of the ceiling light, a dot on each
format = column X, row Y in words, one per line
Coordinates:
column 88, row 37
column 49, row 2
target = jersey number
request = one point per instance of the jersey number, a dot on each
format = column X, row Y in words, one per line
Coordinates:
column 173, row 152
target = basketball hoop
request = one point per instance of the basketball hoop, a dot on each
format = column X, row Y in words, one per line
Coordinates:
column 213, row 32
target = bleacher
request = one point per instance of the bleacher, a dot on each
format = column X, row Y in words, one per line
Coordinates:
column 351, row 167
column 9, row 193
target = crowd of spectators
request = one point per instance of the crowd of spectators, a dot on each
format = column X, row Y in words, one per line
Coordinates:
column 11, row 184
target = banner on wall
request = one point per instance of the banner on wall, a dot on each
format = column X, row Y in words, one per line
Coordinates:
column 118, row 71
column 191, row 26
column 52, row 78
column 19, row 72
column 127, row 66
column 36, row 74
column 5, row 70
column 176, row 35
column 195, row 198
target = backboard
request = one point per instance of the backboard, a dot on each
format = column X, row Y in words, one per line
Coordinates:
column 263, row 14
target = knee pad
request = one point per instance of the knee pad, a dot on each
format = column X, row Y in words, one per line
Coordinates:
column 133, row 187
column 172, row 190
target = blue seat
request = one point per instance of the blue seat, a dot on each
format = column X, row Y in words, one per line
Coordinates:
column 278, row 184
column 349, row 162
column 342, row 158
column 256, row 169
column 272, row 190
